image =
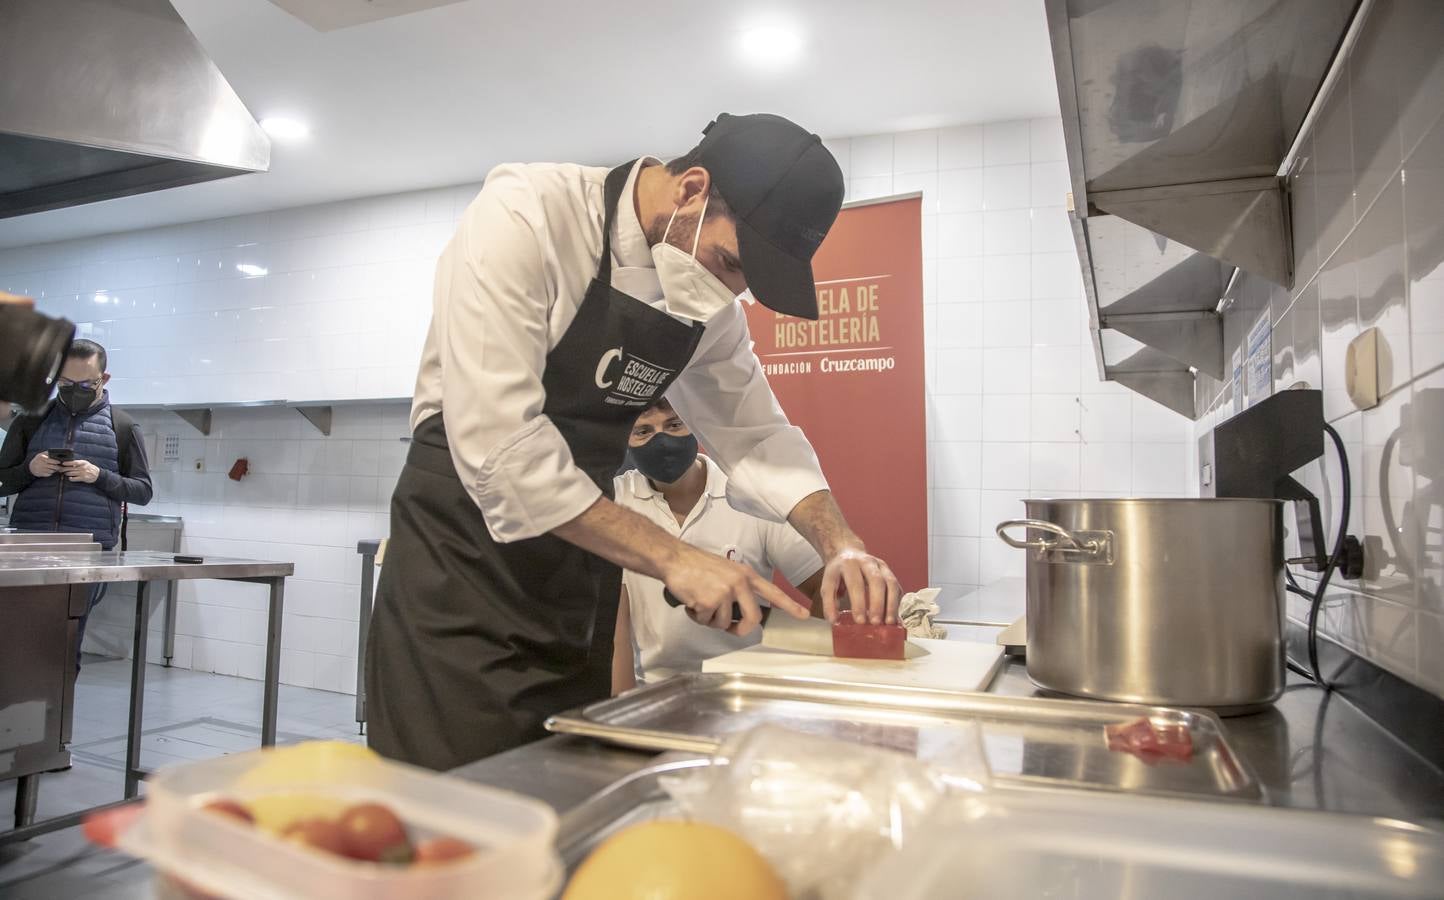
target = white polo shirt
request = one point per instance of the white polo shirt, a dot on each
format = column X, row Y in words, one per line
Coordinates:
column 664, row 640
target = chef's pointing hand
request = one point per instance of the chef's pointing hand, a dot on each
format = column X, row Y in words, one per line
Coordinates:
column 872, row 590
column 708, row 585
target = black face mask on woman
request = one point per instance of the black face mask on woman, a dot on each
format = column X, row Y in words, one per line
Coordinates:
column 666, row 457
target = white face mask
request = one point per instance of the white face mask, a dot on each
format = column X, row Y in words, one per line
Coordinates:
column 688, row 289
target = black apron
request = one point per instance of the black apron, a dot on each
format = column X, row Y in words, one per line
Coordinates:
column 473, row 643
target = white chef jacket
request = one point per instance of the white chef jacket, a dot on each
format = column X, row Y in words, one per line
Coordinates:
column 508, row 284
column 665, row 640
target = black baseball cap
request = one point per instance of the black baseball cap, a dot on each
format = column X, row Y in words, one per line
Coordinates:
column 785, row 189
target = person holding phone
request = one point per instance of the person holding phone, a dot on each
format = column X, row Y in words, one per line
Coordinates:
column 76, row 463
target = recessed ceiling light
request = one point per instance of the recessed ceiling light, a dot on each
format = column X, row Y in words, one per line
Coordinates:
column 771, row 45
column 284, row 128
column 251, row 270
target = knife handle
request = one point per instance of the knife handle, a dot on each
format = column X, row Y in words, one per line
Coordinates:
column 672, row 600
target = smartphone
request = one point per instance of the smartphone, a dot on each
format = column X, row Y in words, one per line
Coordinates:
column 61, row 454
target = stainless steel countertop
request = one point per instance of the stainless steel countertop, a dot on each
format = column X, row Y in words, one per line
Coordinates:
column 151, row 520
column 12, row 536
column 1310, row 751
column 33, row 569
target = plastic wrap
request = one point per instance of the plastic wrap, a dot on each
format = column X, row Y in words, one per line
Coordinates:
column 823, row 811
column 1102, row 847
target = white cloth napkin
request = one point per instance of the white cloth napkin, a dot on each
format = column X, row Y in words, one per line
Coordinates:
column 916, row 611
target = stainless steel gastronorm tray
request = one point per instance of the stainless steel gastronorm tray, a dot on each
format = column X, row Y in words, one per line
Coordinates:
column 1029, row 741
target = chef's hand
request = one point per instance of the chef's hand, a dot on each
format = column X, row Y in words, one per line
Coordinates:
column 708, row 585
column 42, row 466
column 81, row 470
column 870, row 587
column 872, row 590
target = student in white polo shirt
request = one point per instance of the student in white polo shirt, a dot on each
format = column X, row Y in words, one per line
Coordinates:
column 685, row 493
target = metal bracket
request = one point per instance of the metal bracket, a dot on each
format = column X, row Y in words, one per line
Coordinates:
column 198, row 418
column 1242, row 221
column 1158, row 377
column 319, row 416
column 1193, row 338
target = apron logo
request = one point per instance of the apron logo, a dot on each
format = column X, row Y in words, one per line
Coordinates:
column 602, row 365
column 636, row 384
column 731, row 553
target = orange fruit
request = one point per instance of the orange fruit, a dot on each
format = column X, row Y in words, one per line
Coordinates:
column 675, row 860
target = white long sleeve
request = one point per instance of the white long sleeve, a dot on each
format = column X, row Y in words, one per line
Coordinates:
column 724, row 397
column 484, row 359
column 508, row 286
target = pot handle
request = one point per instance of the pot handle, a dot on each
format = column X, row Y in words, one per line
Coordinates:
column 1067, row 542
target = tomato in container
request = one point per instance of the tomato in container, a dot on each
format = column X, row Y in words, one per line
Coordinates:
column 319, row 821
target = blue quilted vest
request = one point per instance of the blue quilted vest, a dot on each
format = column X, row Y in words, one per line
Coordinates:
column 55, row 504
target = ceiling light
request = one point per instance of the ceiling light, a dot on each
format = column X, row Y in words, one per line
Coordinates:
column 283, row 128
column 771, row 45
column 251, row 270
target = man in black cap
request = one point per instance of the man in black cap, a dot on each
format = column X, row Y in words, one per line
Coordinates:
column 569, row 299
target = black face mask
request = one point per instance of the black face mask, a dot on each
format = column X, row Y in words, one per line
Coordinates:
column 666, row 457
column 76, row 398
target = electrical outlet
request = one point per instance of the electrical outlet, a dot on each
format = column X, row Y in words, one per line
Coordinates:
column 200, row 465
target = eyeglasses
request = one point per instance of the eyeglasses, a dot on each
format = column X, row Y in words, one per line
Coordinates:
column 86, row 385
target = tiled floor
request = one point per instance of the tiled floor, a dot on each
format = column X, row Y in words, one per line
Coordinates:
column 188, row 715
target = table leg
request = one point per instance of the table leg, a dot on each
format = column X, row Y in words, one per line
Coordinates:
column 137, row 689
column 273, row 663
column 363, row 626
column 170, row 601
column 27, row 791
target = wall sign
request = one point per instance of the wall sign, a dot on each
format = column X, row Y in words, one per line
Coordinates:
column 854, row 380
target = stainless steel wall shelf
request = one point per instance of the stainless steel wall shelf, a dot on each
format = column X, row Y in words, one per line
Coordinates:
column 1177, row 118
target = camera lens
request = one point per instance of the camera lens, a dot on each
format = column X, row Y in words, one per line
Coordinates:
column 32, row 350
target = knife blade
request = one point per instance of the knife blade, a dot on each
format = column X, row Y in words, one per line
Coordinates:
column 814, row 637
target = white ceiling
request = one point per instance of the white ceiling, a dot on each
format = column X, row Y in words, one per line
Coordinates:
column 440, row 96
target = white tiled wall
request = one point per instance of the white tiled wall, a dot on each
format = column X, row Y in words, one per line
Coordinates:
column 1366, row 202
column 308, row 499
column 319, row 302
column 1015, row 407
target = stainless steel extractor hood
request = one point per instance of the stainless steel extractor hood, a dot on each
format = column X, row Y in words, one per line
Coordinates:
column 107, row 98
column 1178, row 116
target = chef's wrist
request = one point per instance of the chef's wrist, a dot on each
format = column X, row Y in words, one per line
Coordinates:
column 671, row 555
column 846, row 544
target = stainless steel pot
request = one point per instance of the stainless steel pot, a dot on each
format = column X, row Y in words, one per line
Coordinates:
column 1171, row 602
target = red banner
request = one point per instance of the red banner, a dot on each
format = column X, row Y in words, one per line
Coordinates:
column 853, row 380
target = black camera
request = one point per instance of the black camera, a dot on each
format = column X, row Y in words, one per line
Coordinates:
column 32, row 350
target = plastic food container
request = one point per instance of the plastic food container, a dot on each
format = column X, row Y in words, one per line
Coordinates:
column 1102, row 848
column 213, row 854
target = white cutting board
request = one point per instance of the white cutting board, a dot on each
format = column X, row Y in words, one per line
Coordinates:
column 949, row 665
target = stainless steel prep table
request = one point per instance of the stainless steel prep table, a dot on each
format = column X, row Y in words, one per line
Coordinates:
column 22, row 573
column 1311, row 751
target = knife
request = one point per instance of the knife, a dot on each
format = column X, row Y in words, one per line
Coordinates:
column 815, row 637
column 811, row 636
